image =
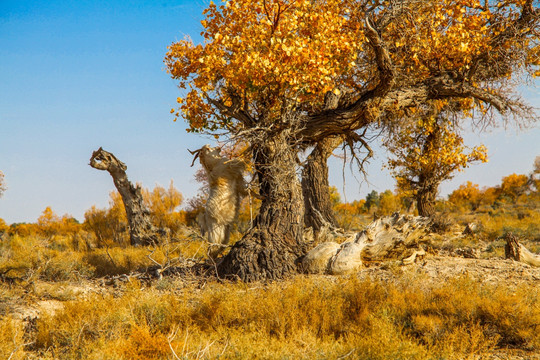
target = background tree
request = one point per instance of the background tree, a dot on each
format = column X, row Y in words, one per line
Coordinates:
column 513, row 186
column 467, row 194
column 3, row 227
column 372, row 200
column 163, row 205
column 109, row 224
column 262, row 75
column 3, row 186
column 49, row 223
column 535, row 175
column 388, row 203
column 427, row 150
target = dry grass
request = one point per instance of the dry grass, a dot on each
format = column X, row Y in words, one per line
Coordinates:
column 304, row 318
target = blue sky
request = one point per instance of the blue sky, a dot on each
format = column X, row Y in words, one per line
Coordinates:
column 77, row 75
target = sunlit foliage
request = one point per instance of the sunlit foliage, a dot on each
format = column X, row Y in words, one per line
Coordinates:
column 49, row 223
column 260, row 57
column 164, row 206
column 266, row 52
column 514, row 185
column 426, row 151
column 467, row 194
column 110, row 224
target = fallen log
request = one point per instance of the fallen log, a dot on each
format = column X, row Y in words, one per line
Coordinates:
column 396, row 237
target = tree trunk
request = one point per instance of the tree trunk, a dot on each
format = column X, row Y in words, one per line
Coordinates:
column 270, row 249
column 315, row 186
column 141, row 230
column 426, row 195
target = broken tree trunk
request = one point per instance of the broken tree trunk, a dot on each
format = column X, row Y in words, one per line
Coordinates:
column 141, row 230
column 396, row 237
column 516, row 251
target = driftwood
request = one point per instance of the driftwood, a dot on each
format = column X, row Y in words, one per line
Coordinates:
column 396, row 237
column 516, row 251
column 141, row 230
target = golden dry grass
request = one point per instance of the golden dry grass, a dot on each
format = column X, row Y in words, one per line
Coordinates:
column 303, row 318
column 312, row 317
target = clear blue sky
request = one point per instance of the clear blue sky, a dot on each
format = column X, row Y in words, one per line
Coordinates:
column 77, row 75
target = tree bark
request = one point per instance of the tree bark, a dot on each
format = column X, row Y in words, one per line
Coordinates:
column 516, row 251
column 316, row 188
column 425, row 201
column 141, row 230
column 270, row 249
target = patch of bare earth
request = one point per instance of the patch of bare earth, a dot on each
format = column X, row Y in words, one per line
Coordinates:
column 507, row 273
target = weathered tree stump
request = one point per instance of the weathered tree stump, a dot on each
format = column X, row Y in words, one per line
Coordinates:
column 141, row 230
column 516, row 251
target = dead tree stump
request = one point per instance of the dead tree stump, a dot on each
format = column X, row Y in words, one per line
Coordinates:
column 516, row 251
column 141, row 230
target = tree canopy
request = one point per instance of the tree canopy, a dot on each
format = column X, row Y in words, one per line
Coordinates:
column 262, row 58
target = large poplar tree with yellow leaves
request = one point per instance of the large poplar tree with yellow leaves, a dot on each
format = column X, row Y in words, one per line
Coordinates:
column 267, row 70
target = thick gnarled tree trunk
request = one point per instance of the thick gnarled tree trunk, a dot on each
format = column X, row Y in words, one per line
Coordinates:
column 141, row 230
column 425, row 201
column 269, row 250
column 315, row 186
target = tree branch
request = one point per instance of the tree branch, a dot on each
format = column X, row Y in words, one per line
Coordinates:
column 370, row 107
column 235, row 110
column 382, row 58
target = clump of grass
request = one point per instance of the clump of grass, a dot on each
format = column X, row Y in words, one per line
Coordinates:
column 441, row 223
column 525, row 223
column 60, row 258
column 33, row 257
column 117, row 260
column 11, row 339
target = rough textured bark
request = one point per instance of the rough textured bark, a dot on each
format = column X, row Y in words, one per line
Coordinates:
column 425, row 201
column 516, row 251
column 269, row 250
column 315, row 186
column 141, row 230
column 427, row 185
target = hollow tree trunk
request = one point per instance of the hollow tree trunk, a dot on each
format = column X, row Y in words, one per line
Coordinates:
column 315, row 186
column 141, row 230
column 269, row 250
